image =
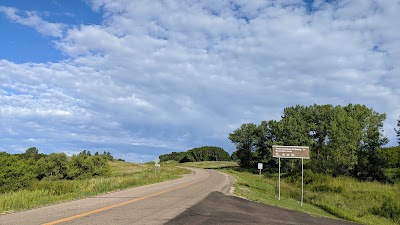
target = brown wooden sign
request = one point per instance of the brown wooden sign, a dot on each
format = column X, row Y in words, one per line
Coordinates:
column 291, row 151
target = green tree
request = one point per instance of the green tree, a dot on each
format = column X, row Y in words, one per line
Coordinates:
column 370, row 161
column 344, row 137
column 320, row 120
column 32, row 153
column 343, row 140
column 108, row 156
column 398, row 131
column 268, row 133
column 85, row 153
column 245, row 138
column 78, row 166
column 296, row 127
column 84, row 165
column 187, row 158
column 234, row 156
column 15, row 173
column 295, row 131
column 53, row 167
column 391, row 156
column 175, row 156
column 208, row 153
column 204, row 153
column 99, row 166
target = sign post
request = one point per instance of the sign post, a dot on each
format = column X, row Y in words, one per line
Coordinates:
column 279, row 180
column 260, row 167
column 302, row 180
column 156, row 165
column 291, row 152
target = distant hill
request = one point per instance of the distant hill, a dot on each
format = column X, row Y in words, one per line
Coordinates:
column 205, row 153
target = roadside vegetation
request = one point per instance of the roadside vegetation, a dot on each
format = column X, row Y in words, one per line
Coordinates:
column 343, row 140
column 340, row 197
column 366, row 202
column 205, row 153
column 350, row 174
column 28, row 181
column 21, row 171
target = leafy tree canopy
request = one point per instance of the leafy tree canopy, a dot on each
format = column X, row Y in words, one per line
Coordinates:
column 344, row 140
column 18, row 171
column 205, row 153
column 398, row 131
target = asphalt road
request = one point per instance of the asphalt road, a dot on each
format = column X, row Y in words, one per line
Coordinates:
column 218, row 208
column 151, row 204
column 198, row 198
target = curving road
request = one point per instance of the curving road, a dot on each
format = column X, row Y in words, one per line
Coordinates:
column 151, row 204
column 198, row 198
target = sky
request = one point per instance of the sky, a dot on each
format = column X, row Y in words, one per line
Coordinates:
column 144, row 78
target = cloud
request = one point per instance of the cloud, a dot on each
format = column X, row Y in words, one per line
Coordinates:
column 153, row 72
column 32, row 19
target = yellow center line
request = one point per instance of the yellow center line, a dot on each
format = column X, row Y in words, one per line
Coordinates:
column 119, row 204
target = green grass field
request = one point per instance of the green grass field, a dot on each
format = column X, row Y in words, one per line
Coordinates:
column 124, row 175
column 339, row 198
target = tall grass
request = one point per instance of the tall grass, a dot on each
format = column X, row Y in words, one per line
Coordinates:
column 124, row 175
column 365, row 202
column 340, row 197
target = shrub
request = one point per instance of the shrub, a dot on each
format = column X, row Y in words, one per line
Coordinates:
column 389, row 209
column 15, row 173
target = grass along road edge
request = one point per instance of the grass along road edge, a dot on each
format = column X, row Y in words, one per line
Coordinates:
column 324, row 196
column 124, row 175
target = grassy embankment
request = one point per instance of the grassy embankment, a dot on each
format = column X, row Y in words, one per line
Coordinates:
column 124, row 175
column 340, row 197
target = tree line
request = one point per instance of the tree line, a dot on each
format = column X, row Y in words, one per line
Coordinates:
column 205, row 153
column 20, row 170
column 343, row 140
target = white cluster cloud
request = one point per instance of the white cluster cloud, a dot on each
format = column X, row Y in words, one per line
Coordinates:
column 170, row 75
column 32, row 19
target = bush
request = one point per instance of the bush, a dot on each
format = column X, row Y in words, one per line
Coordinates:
column 52, row 167
column 392, row 175
column 389, row 209
column 15, row 173
column 316, row 182
column 84, row 166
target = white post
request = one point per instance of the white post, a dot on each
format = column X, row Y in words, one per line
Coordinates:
column 302, row 180
column 279, row 180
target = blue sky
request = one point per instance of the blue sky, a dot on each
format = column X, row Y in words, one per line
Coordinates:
column 144, row 78
column 39, row 47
